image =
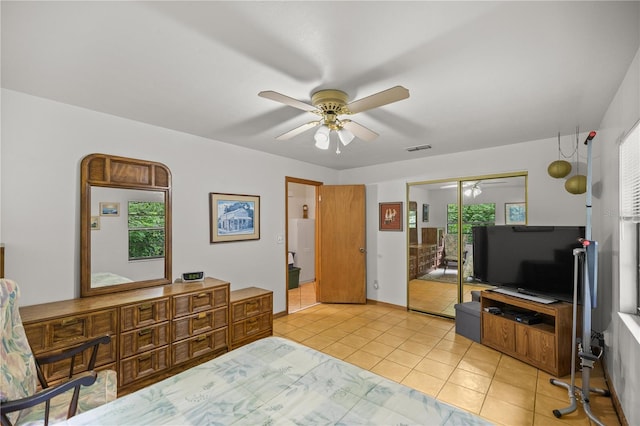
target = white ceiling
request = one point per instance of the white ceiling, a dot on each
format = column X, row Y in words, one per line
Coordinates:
column 480, row 74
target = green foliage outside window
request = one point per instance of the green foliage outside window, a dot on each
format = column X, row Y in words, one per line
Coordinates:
column 472, row 215
column 146, row 220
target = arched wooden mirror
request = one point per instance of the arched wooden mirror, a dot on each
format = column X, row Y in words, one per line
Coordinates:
column 125, row 224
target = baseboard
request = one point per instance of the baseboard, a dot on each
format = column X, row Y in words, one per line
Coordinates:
column 614, row 396
column 388, row 305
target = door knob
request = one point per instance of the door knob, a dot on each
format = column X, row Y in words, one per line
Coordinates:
column 362, row 250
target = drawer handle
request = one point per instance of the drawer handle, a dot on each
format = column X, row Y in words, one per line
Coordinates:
column 145, row 331
column 201, row 338
column 201, row 295
column 202, row 315
column 69, row 321
column 145, row 307
column 253, row 303
column 144, row 358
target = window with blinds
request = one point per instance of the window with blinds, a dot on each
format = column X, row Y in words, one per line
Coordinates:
column 630, row 195
column 630, row 176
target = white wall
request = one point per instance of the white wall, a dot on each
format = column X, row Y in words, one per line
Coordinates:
column 622, row 333
column 43, row 143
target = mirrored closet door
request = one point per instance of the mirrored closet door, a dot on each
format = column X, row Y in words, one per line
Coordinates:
column 440, row 245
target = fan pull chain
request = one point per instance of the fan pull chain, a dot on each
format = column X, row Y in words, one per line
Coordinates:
column 577, row 152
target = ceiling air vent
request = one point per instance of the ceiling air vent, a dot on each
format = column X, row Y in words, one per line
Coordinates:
column 418, row 148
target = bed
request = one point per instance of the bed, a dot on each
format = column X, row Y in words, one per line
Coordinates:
column 276, row 381
column 101, row 279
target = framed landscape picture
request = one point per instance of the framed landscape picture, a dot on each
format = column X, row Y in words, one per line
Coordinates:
column 515, row 213
column 95, row 223
column 390, row 216
column 234, row 217
column 109, row 209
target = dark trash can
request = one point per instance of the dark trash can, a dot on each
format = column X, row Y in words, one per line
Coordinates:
column 294, row 277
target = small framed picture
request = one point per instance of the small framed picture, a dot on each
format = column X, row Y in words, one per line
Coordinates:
column 515, row 213
column 109, row 209
column 95, row 223
column 425, row 212
column 390, row 216
column 234, row 217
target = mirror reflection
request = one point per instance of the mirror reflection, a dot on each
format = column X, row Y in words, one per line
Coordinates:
column 128, row 238
column 440, row 266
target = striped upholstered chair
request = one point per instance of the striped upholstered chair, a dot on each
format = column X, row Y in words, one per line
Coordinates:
column 22, row 401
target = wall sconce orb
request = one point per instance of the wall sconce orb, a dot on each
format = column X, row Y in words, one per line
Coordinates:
column 576, row 184
column 559, row 169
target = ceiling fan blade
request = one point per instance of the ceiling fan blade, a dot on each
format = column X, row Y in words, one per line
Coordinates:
column 385, row 97
column 298, row 130
column 279, row 97
column 359, row 130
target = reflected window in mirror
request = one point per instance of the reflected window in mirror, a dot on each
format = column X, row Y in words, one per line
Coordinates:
column 146, row 220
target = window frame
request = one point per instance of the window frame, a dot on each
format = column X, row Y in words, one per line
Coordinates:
column 629, row 200
column 469, row 234
column 158, row 228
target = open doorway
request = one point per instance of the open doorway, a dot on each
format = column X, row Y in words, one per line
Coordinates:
column 301, row 243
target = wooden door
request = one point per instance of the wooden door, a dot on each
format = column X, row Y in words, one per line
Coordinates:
column 341, row 244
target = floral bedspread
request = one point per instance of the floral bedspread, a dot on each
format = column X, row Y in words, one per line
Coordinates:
column 276, row 381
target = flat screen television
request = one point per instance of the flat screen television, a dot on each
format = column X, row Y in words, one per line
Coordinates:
column 536, row 260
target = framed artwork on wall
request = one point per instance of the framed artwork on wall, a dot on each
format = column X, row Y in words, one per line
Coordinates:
column 425, row 212
column 390, row 216
column 95, row 223
column 234, row 217
column 515, row 213
column 109, row 209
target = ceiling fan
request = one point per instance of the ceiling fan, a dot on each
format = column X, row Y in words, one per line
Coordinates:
column 330, row 104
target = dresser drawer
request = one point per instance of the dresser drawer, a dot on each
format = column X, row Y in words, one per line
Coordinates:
column 107, row 354
column 201, row 301
column 143, row 365
column 200, row 323
column 144, row 314
column 199, row 345
column 66, row 332
column 251, row 307
column 250, row 327
column 144, row 339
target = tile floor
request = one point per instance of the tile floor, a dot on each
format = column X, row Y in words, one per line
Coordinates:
column 302, row 296
column 424, row 352
column 437, row 297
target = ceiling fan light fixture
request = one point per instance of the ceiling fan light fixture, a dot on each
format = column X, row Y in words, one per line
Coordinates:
column 473, row 191
column 345, row 136
column 322, row 137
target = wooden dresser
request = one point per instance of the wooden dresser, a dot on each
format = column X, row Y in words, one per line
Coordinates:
column 423, row 258
column 155, row 332
column 251, row 315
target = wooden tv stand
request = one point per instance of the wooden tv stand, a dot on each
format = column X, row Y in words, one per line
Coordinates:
column 546, row 345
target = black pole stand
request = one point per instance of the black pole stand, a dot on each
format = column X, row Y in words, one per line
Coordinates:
column 586, row 260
